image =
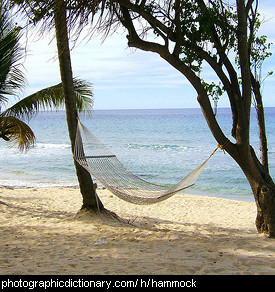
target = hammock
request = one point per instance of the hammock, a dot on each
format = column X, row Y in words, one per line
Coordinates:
column 101, row 163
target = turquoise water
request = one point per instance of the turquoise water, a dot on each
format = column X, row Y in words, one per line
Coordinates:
column 161, row 146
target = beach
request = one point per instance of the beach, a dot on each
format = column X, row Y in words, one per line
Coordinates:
column 43, row 233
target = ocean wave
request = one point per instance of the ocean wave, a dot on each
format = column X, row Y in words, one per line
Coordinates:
column 159, row 147
column 52, row 146
column 15, row 183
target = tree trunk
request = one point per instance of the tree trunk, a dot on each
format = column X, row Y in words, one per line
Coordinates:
column 262, row 186
column 261, row 183
column 265, row 200
column 90, row 199
column 263, row 189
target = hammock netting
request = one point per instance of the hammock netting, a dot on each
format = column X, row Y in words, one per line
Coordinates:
column 102, row 164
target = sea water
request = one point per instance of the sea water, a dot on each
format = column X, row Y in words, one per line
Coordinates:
column 161, row 146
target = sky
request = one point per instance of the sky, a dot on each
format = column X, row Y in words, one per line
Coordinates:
column 124, row 78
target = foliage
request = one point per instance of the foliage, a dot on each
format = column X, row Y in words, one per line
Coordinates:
column 49, row 98
column 12, row 80
column 202, row 30
column 11, row 76
column 15, row 130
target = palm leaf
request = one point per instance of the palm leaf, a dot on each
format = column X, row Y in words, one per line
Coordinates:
column 15, row 130
column 84, row 95
column 51, row 97
column 11, row 77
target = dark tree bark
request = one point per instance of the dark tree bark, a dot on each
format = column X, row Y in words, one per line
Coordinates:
column 261, row 122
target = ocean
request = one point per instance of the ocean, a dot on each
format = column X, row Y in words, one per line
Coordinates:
column 161, row 146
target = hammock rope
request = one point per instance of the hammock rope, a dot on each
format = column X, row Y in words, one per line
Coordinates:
column 102, row 164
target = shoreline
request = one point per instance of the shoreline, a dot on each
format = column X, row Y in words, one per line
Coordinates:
column 43, row 233
column 232, row 197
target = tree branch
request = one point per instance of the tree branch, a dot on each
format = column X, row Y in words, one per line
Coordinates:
column 249, row 5
column 135, row 41
column 244, row 56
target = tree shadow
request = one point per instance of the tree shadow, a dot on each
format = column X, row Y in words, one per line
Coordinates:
column 146, row 245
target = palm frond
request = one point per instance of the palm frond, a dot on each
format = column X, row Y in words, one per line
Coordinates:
column 12, row 78
column 15, row 130
column 50, row 98
column 84, row 95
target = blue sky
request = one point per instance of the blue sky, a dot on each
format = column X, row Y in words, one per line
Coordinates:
column 124, row 78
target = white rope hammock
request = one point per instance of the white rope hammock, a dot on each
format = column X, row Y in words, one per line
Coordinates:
column 102, row 164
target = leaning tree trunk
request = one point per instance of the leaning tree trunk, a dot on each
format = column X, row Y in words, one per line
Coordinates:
column 90, row 199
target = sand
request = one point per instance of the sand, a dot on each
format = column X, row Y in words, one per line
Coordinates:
column 41, row 233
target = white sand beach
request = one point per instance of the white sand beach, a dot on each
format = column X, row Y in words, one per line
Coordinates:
column 186, row 235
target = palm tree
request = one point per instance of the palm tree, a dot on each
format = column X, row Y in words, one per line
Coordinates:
column 54, row 15
column 90, row 200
